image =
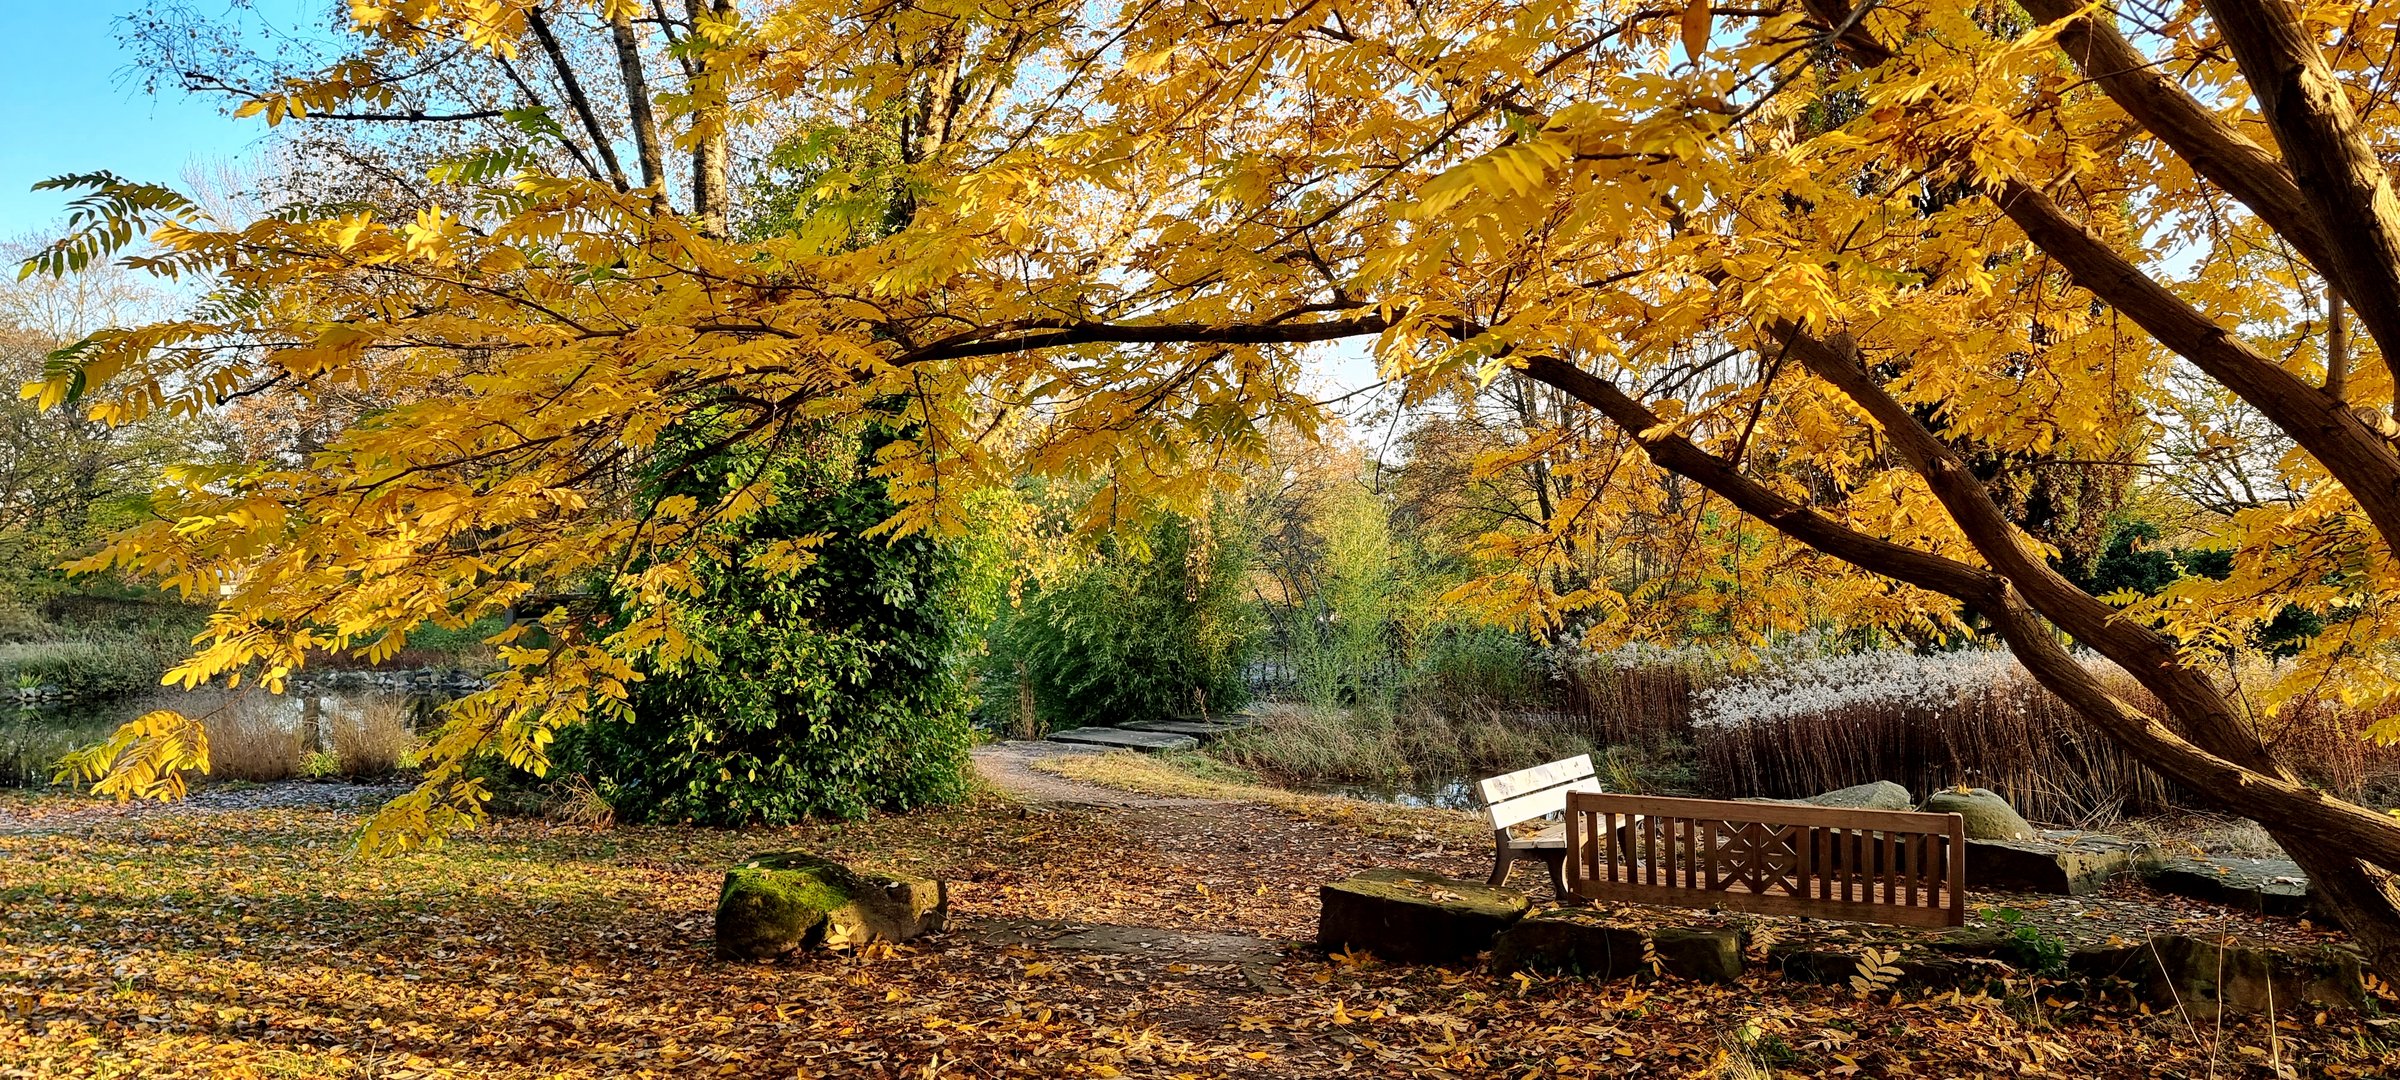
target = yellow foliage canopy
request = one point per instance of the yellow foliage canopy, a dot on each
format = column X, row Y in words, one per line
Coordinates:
column 1762, row 245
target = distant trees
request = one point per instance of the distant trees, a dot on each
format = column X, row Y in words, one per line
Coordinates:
column 69, row 482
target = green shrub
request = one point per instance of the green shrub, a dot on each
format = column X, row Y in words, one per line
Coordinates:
column 837, row 688
column 1463, row 663
column 1127, row 635
column 1348, row 637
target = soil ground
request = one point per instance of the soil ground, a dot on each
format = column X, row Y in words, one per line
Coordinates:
column 1096, row 931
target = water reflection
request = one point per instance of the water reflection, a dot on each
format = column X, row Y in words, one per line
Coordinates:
column 1441, row 792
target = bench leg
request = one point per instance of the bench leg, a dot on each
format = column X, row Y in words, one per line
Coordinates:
column 1558, row 876
column 1502, row 860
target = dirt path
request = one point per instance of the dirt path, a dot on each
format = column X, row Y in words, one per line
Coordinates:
column 1008, row 767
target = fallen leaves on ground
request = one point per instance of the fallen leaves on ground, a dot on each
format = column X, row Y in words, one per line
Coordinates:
column 210, row 941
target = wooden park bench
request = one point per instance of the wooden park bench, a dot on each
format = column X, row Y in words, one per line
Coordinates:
column 1520, row 804
column 1887, row 866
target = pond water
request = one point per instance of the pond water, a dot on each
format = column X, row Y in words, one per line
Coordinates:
column 1439, row 792
column 33, row 736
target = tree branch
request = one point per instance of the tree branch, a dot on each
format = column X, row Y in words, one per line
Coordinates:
column 582, row 105
column 2330, row 156
column 2359, row 457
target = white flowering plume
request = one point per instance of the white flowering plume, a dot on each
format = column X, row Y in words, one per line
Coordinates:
column 1825, row 684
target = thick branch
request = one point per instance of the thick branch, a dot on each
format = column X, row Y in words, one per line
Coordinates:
column 2329, row 153
column 2357, row 456
column 637, row 102
column 2149, row 656
column 709, row 186
column 2213, row 148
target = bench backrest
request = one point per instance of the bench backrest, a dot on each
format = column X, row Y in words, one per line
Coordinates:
column 1885, row 866
column 1521, row 796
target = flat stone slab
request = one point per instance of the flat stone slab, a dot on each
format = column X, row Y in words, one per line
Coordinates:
column 1126, row 739
column 1411, row 916
column 1587, row 943
column 2266, row 886
column 2056, row 864
column 1203, row 730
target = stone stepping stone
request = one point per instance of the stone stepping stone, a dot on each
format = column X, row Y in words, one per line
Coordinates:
column 2056, row 864
column 2168, row 972
column 1414, row 917
column 2266, row 886
column 1203, row 730
column 1150, row 742
column 2205, row 976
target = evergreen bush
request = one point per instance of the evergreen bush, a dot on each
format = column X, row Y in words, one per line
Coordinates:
column 836, row 689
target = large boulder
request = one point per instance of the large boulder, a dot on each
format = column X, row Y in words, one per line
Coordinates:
column 1880, row 795
column 2055, row 863
column 1989, row 817
column 785, row 901
column 1415, row 917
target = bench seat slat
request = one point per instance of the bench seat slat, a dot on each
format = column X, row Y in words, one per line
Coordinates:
column 1507, row 786
column 1544, row 835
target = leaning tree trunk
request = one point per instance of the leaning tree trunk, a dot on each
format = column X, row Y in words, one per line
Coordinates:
column 2326, row 836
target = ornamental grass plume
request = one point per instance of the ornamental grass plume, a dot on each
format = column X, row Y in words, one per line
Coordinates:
column 1930, row 721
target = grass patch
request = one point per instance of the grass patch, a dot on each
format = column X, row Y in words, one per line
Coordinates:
column 1197, row 776
column 1374, row 745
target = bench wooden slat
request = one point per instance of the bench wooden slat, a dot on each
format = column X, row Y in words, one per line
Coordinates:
column 1871, row 865
column 1536, row 804
column 1502, row 788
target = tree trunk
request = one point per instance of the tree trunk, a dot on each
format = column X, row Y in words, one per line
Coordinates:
column 637, row 106
column 709, row 202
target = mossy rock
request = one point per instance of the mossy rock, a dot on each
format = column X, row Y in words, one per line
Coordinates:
column 786, row 901
column 1415, row 917
column 1989, row 817
column 2202, row 976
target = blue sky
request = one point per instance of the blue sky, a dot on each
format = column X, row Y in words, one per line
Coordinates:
column 68, row 103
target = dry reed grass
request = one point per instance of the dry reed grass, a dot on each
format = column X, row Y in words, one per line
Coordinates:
column 374, row 739
column 1176, row 776
column 2004, row 731
column 1331, row 744
column 248, row 741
